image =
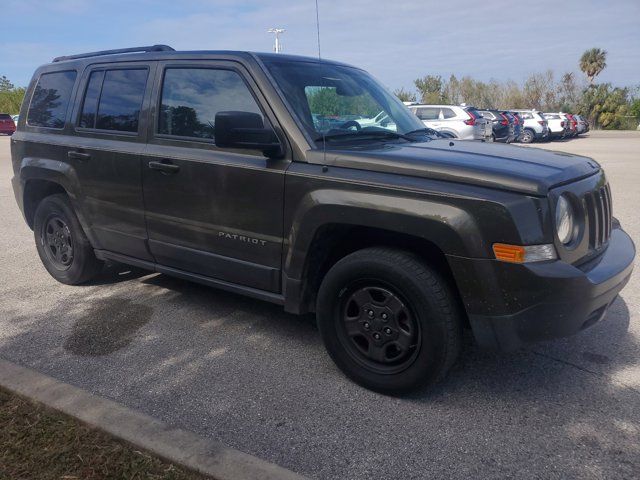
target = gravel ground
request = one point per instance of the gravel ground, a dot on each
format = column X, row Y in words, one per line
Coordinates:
column 244, row 373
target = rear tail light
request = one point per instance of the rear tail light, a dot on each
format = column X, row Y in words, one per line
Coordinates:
column 562, row 124
column 505, row 120
column 472, row 120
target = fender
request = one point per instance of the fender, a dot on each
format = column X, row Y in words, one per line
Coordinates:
column 449, row 227
column 61, row 173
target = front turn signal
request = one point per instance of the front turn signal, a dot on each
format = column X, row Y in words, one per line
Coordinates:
column 524, row 253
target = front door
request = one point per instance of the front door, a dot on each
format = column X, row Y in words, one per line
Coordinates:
column 211, row 211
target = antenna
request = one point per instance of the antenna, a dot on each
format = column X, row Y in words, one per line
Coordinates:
column 318, row 29
column 277, row 46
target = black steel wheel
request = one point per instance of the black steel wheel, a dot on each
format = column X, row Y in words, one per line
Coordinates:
column 388, row 320
column 62, row 245
column 57, row 242
column 377, row 327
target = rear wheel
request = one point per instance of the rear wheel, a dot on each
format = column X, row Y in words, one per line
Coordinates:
column 527, row 136
column 388, row 320
column 62, row 245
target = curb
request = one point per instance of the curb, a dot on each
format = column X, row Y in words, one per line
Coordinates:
column 173, row 444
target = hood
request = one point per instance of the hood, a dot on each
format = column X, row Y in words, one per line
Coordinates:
column 505, row 167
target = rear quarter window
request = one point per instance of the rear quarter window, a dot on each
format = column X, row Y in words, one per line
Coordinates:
column 448, row 113
column 50, row 99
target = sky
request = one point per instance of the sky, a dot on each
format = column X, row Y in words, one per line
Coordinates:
column 397, row 41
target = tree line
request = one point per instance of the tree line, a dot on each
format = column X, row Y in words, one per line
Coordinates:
column 604, row 105
column 10, row 96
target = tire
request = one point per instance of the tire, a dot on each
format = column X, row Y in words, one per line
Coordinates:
column 62, row 245
column 422, row 316
column 527, row 136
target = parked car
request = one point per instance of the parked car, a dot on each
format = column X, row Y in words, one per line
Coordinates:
column 208, row 166
column 503, row 131
column 382, row 119
column 514, row 128
column 452, row 121
column 535, row 126
column 582, row 126
column 519, row 125
column 558, row 127
column 573, row 125
column 7, row 127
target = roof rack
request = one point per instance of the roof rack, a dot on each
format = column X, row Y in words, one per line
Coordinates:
column 150, row 48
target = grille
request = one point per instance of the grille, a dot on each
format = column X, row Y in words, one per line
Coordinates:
column 599, row 207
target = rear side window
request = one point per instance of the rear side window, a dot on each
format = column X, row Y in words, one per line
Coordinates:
column 428, row 113
column 48, row 107
column 191, row 98
column 113, row 100
column 5, row 116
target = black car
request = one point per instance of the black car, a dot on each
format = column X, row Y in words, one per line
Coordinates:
column 503, row 128
column 213, row 166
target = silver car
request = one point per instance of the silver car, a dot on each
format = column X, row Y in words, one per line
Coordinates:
column 453, row 121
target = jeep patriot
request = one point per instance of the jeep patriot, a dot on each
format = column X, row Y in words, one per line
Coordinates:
column 305, row 183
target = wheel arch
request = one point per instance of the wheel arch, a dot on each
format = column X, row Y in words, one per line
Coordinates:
column 36, row 190
column 40, row 178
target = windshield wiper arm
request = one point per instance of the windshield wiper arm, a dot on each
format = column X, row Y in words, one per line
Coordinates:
column 359, row 134
column 428, row 131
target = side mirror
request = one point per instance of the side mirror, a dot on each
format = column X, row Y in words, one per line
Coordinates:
column 245, row 130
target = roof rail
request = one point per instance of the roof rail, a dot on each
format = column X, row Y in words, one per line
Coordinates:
column 150, row 48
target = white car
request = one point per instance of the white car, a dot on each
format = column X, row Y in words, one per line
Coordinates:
column 380, row 120
column 453, row 121
column 558, row 125
column 535, row 126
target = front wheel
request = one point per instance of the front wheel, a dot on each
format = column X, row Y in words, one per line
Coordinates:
column 389, row 321
column 62, row 245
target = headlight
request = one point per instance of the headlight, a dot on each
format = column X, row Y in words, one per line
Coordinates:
column 565, row 220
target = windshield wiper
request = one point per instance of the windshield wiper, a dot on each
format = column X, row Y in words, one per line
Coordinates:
column 375, row 134
column 428, row 131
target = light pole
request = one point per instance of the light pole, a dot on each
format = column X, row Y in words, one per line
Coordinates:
column 277, row 47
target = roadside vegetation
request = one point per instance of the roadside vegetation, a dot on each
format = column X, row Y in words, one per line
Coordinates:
column 604, row 105
column 10, row 96
column 37, row 443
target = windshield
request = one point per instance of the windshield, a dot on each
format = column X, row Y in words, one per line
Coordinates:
column 339, row 103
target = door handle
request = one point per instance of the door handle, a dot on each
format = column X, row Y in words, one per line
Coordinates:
column 165, row 166
column 74, row 155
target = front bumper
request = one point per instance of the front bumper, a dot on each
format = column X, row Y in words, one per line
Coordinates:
column 510, row 305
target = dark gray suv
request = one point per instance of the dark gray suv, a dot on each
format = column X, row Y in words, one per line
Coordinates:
column 270, row 176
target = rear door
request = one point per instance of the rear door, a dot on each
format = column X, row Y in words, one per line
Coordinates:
column 211, row 211
column 430, row 116
column 105, row 153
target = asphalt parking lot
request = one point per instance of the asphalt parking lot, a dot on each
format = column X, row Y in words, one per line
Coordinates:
column 244, row 373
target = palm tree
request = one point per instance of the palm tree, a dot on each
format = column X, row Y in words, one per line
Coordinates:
column 592, row 62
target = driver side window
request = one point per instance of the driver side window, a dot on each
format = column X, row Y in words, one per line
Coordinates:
column 191, row 98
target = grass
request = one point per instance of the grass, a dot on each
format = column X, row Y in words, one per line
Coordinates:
column 37, row 443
